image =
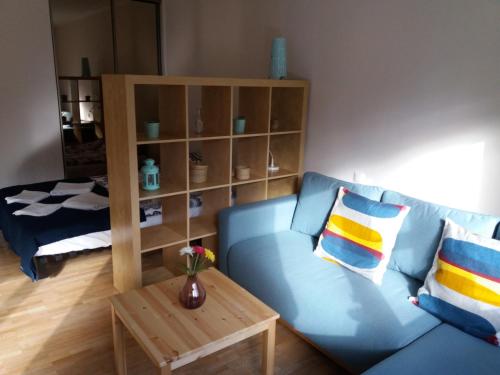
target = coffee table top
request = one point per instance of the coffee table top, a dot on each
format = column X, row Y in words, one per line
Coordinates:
column 170, row 333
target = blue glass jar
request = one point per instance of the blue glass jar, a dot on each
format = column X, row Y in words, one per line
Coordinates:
column 150, row 175
column 278, row 59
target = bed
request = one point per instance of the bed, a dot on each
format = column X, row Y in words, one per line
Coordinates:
column 85, row 159
column 64, row 231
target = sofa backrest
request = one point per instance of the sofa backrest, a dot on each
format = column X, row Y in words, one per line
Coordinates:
column 419, row 237
column 316, row 198
column 420, row 234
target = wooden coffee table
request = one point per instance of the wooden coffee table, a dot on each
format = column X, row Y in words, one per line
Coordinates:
column 173, row 336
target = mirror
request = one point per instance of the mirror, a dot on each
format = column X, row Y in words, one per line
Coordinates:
column 137, row 36
column 91, row 38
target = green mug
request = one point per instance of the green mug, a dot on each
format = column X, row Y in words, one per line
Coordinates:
column 152, row 129
column 239, row 125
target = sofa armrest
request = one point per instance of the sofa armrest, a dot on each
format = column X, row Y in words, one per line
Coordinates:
column 246, row 221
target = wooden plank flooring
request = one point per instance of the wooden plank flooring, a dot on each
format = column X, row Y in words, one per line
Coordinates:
column 62, row 325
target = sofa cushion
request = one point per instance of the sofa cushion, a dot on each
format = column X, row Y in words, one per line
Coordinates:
column 463, row 285
column 317, row 194
column 419, row 237
column 349, row 317
column 444, row 350
column 360, row 234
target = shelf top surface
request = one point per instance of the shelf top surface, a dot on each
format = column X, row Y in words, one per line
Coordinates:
column 208, row 81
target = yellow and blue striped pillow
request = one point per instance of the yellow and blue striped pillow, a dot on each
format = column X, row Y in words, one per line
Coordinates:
column 463, row 285
column 360, row 234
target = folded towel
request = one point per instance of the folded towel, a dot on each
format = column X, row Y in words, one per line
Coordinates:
column 101, row 181
column 27, row 197
column 38, row 209
column 72, row 188
column 87, row 202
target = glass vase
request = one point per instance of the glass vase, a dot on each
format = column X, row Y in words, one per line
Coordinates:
column 192, row 294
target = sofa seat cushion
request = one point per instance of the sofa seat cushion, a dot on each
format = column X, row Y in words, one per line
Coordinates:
column 317, row 194
column 420, row 234
column 444, row 350
column 349, row 317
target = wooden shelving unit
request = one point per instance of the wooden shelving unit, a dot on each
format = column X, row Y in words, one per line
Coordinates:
column 82, row 126
column 275, row 112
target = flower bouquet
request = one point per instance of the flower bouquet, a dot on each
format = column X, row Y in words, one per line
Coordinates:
column 193, row 294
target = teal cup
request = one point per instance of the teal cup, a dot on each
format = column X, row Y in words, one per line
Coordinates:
column 152, row 129
column 239, row 125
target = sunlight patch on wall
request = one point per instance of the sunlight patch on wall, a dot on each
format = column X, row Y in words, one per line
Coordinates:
column 450, row 176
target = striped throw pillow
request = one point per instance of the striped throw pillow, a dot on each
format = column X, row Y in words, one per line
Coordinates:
column 360, row 234
column 463, row 286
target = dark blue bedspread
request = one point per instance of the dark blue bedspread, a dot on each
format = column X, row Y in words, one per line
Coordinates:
column 26, row 233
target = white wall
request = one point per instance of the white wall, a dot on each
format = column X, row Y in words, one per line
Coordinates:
column 30, row 140
column 404, row 92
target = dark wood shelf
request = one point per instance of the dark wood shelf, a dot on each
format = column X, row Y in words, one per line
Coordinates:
column 79, row 101
column 79, row 78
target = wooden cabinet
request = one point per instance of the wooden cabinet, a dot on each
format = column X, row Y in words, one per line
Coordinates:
column 275, row 113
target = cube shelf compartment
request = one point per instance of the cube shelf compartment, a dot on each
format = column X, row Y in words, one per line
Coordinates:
column 286, row 149
column 247, row 193
column 287, row 108
column 172, row 230
column 169, row 158
column 153, row 269
column 253, row 104
column 131, row 100
column 69, row 89
column 282, row 186
column 214, row 154
column 215, row 105
column 172, row 260
column 252, row 153
column 165, row 104
column 90, row 88
column 212, row 202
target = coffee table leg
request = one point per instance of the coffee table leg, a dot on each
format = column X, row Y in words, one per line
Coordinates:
column 119, row 343
column 164, row 370
column 268, row 353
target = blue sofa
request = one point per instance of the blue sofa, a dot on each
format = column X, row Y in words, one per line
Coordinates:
column 267, row 246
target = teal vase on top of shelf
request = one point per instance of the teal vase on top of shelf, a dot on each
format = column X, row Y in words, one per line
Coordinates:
column 150, row 175
column 278, row 59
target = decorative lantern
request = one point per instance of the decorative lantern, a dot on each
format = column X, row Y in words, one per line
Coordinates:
column 150, row 175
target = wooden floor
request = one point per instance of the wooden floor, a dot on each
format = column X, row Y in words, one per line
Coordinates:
column 62, row 325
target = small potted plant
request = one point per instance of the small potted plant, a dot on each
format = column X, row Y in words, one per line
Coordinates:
column 193, row 294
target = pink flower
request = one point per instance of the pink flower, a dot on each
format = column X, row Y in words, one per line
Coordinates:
column 199, row 250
